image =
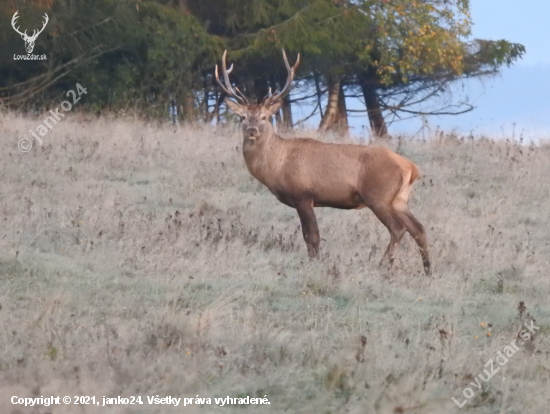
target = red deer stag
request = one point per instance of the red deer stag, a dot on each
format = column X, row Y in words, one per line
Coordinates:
column 304, row 173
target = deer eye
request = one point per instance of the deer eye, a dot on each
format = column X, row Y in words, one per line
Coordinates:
column 263, row 118
column 243, row 118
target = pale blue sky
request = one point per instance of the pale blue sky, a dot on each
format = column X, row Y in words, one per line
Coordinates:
column 518, row 99
column 515, row 101
column 521, row 21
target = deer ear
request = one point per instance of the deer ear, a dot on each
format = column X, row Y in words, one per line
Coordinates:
column 235, row 107
column 272, row 109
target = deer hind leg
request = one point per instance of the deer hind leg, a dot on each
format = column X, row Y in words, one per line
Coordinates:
column 414, row 227
column 396, row 228
column 310, row 229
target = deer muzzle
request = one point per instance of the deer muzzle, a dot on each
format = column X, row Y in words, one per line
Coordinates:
column 252, row 132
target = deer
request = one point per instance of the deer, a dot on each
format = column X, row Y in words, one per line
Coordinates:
column 29, row 40
column 305, row 173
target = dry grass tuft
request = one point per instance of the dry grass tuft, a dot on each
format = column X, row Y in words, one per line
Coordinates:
column 139, row 260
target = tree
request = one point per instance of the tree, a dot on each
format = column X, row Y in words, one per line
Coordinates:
column 127, row 53
column 256, row 31
column 417, row 49
column 395, row 54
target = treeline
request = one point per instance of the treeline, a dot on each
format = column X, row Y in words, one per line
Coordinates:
column 393, row 55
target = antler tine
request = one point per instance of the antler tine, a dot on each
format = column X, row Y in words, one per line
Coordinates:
column 269, row 94
column 225, row 74
column 286, row 60
column 237, row 94
column 286, row 89
column 228, row 92
column 228, row 71
column 219, row 82
column 227, row 88
column 242, row 95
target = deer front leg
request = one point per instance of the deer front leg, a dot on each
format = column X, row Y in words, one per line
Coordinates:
column 310, row 229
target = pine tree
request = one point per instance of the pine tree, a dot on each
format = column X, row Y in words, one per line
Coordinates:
column 395, row 53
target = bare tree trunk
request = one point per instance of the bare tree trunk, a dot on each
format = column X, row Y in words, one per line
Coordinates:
column 272, row 87
column 207, row 117
column 331, row 113
column 278, row 121
column 336, row 115
column 189, row 107
column 286, row 110
column 376, row 119
column 183, row 6
column 342, row 116
column 216, row 111
column 260, row 88
column 189, row 100
column 319, row 94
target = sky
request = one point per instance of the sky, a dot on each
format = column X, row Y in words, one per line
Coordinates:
column 516, row 101
column 512, row 104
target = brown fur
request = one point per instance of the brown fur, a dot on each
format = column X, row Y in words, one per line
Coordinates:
column 414, row 174
column 304, row 173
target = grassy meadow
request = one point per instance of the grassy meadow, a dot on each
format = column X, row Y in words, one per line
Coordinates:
column 140, row 260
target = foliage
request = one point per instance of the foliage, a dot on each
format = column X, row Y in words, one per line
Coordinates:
column 407, row 51
column 147, row 50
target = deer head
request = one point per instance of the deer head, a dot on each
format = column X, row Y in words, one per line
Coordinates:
column 255, row 117
column 29, row 40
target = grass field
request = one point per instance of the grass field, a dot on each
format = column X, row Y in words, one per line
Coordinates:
column 139, row 260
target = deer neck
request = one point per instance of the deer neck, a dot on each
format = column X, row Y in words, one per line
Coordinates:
column 261, row 157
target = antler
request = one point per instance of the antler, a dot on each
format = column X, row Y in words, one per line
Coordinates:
column 14, row 18
column 227, row 88
column 270, row 100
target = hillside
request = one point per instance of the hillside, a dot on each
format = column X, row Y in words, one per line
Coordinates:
column 136, row 259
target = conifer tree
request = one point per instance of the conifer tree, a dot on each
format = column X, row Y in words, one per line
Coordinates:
column 396, row 53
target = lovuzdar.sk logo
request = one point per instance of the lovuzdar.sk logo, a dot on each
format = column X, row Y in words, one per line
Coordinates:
column 29, row 40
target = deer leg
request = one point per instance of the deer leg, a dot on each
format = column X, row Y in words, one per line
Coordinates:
column 415, row 229
column 397, row 230
column 310, row 229
column 394, row 226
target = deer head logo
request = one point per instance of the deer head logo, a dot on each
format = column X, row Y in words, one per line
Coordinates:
column 29, row 40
